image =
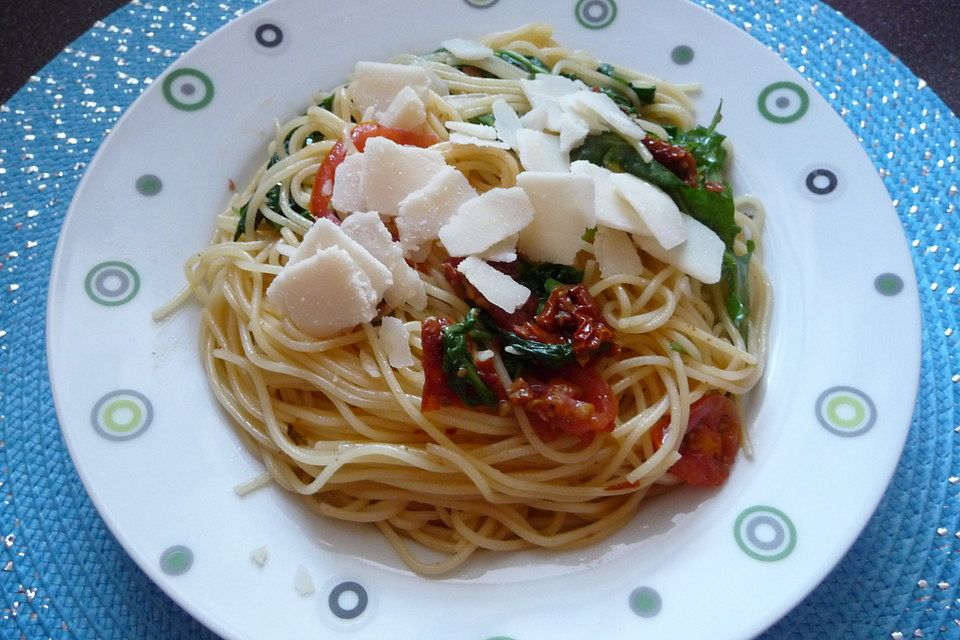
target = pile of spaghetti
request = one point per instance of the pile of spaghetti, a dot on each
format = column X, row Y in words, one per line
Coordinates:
column 492, row 388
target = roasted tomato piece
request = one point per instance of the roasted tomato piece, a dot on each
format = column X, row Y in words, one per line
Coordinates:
column 436, row 390
column 675, row 158
column 571, row 311
column 573, row 399
column 711, row 443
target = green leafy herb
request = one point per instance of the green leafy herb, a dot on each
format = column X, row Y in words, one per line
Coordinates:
column 458, row 363
column 735, row 274
column 589, row 234
column 706, row 145
column 531, row 64
column 327, row 103
column 646, row 94
column 517, row 349
column 535, row 275
column 486, row 119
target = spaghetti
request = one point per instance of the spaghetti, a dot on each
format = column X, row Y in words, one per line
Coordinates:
column 334, row 421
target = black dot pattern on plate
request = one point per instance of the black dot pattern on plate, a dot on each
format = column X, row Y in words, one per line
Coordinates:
column 268, row 35
column 821, row 182
column 340, row 596
column 596, row 14
column 888, row 284
column 149, row 185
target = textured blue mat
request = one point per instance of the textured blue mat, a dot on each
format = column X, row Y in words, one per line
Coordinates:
column 62, row 575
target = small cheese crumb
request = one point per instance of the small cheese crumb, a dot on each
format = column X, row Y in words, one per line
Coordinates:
column 369, row 365
column 481, row 131
column 616, row 253
column 484, row 221
column 541, row 152
column 396, row 342
column 499, row 288
column 302, row 581
column 660, row 213
column 347, row 193
column 425, row 211
column 563, row 207
column 392, row 172
column 468, row 50
column 259, row 556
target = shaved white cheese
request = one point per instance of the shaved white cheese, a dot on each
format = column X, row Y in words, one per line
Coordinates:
column 376, row 84
column 370, row 232
column 541, row 152
column 616, row 253
column 503, row 251
column 660, row 213
column 392, row 172
column 547, row 87
column 324, row 234
column 324, row 293
column 481, row 131
column 484, row 221
column 396, row 342
column 536, row 119
column 700, row 256
column 369, row 365
column 462, row 138
column 563, row 206
column 425, row 211
column 259, row 556
column 347, row 193
column 507, row 122
column 406, row 111
column 303, row 581
column 499, row 288
column 469, row 50
column 604, row 110
column 573, row 131
column 612, row 210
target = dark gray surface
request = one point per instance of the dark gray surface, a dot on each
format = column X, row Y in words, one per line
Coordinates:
column 922, row 33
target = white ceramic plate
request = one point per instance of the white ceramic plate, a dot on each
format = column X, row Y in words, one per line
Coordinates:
column 160, row 459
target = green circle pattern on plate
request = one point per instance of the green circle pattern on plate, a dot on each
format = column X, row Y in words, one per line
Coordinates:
column 645, row 602
column 176, row 560
column 765, row 533
column 181, row 90
column 682, row 54
column 783, row 102
column 112, row 283
column 596, row 14
column 846, row 411
column 122, row 414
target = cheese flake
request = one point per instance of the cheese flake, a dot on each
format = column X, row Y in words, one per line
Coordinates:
column 347, row 192
column 700, row 256
column 425, row 211
column 324, row 293
column 611, row 208
column 503, row 251
column 369, row 231
column 469, row 50
column 406, row 111
column 303, row 581
column 499, row 288
column 462, row 138
column 541, row 152
column 485, row 220
column 601, row 107
column 506, row 121
column 395, row 339
column 616, row 253
column 376, row 84
column 259, row 556
column 392, row 172
column 324, row 234
column 481, row 131
column 563, row 207
column 660, row 213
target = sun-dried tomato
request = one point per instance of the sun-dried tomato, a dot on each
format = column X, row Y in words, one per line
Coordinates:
column 678, row 160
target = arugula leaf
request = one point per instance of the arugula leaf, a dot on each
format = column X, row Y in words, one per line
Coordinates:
column 458, row 362
column 536, row 275
column 517, row 349
column 327, row 103
column 706, row 145
column 486, row 119
column 646, row 94
column 530, row 64
column 735, row 273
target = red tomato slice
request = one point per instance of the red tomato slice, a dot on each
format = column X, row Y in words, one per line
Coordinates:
column 323, row 182
column 711, row 443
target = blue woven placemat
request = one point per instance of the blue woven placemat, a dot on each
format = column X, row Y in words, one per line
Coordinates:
column 62, row 575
